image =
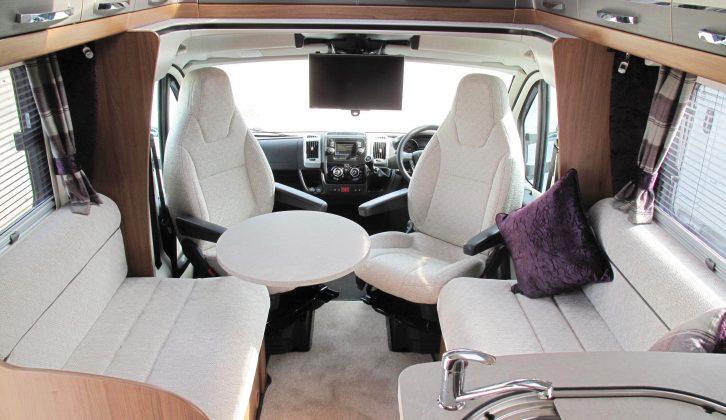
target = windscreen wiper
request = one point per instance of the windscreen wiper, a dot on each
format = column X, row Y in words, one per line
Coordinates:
column 258, row 132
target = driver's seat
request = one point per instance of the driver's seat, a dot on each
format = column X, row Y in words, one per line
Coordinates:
column 471, row 170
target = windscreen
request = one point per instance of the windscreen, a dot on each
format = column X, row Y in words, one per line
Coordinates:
column 360, row 82
column 273, row 95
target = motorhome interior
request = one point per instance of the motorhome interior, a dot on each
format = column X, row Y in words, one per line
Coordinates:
column 360, row 209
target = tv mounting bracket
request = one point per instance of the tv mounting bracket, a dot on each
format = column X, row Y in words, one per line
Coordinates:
column 356, row 43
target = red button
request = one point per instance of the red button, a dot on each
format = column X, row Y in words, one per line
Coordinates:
column 345, row 189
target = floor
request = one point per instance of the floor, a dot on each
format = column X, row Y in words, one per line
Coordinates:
column 348, row 374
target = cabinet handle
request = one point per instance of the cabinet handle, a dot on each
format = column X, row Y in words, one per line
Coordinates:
column 612, row 17
column 108, row 7
column 553, row 5
column 157, row 2
column 46, row 17
column 712, row 37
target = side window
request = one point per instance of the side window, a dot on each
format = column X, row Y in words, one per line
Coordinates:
column 26, row 191
column 163, row 109
column 550, row 141
column 530, row 135
column 538, row 128
column 691, row 187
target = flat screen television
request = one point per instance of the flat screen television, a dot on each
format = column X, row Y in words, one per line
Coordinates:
column 356, row 82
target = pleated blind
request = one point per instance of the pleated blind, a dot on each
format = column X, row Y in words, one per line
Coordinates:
column 24, row 174
column 692, row 182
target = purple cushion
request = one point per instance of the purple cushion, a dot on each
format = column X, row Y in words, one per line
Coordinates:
column 704, row 334
column 552, row 245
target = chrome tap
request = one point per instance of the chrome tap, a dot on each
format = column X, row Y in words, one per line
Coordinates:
column 453, row 396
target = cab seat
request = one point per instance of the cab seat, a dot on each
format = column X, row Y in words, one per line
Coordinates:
column 67, row 305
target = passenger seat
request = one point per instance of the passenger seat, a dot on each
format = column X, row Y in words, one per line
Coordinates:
column 215, row 172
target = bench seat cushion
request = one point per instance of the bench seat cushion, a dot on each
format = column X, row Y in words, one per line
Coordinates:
column 485, row 315
column 198, row 338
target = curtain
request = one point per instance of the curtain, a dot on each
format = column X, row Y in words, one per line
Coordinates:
column 672, row 93
column 50, row 97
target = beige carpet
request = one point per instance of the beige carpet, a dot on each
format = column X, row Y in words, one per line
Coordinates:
column 348, row 374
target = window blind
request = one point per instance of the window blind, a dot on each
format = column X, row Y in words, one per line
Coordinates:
column 24, row 174
column 692, row 181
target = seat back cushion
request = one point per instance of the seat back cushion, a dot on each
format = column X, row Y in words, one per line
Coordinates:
column 214, row 168
column 658, row 283
column 56, row 281
column 472, row 167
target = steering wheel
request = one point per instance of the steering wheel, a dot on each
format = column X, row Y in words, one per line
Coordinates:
column 410, row 158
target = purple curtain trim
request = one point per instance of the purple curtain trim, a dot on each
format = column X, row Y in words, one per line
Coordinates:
column 66, row 165
column 646, row 181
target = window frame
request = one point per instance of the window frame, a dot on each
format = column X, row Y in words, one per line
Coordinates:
column 39, row 211
column 682, row 234
column 540, row 90
column 691, row 242
column 164, row 86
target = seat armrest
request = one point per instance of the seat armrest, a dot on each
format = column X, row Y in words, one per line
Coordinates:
column 385, row 203
column 195, row 228
column 487, row 239
column 298, row 199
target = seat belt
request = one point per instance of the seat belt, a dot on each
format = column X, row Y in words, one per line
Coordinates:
column 154, row 210
column 166, row 227
column 551, row 177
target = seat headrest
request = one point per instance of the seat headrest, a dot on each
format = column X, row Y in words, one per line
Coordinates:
column 206, row 94
column 481, row 102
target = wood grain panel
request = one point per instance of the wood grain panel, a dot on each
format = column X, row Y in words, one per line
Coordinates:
column 47, row 394
column 525, row 16
column 125, row 70
column 710, row 66
column 583, row 78
column 274, row 11
column 258, row 386
column 159, row 14
column 23, row 47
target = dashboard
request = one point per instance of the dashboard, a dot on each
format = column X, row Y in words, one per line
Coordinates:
column 417, row 143
column 338, row 164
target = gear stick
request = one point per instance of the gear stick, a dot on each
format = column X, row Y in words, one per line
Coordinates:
column 369, row 164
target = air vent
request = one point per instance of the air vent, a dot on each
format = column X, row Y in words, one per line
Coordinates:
column 379, row 150
column 312, row 149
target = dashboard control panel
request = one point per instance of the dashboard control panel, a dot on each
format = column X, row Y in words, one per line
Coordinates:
column 344, row 161
column 346, row 188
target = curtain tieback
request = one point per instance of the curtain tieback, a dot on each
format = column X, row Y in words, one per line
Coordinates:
column 66, row 165
column 646, row 181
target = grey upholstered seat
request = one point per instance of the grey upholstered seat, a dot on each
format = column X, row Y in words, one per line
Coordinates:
column 658, row 285
column 471, row 170
column 67, row 304
column 214, row 168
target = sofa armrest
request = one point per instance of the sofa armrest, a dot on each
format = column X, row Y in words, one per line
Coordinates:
column 298, row 199
column 486, row 239
column 385, row 203
column 192, row 227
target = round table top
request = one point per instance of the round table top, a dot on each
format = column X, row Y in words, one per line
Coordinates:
column 292, row 248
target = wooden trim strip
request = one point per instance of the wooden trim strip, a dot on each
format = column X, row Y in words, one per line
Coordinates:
column 160, row 14
column 27, row 393
column 701, row 63
column 583, row 74
column 276, row 11
column 24, row 47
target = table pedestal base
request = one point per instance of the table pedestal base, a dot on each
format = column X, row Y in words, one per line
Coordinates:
column 290, row 321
